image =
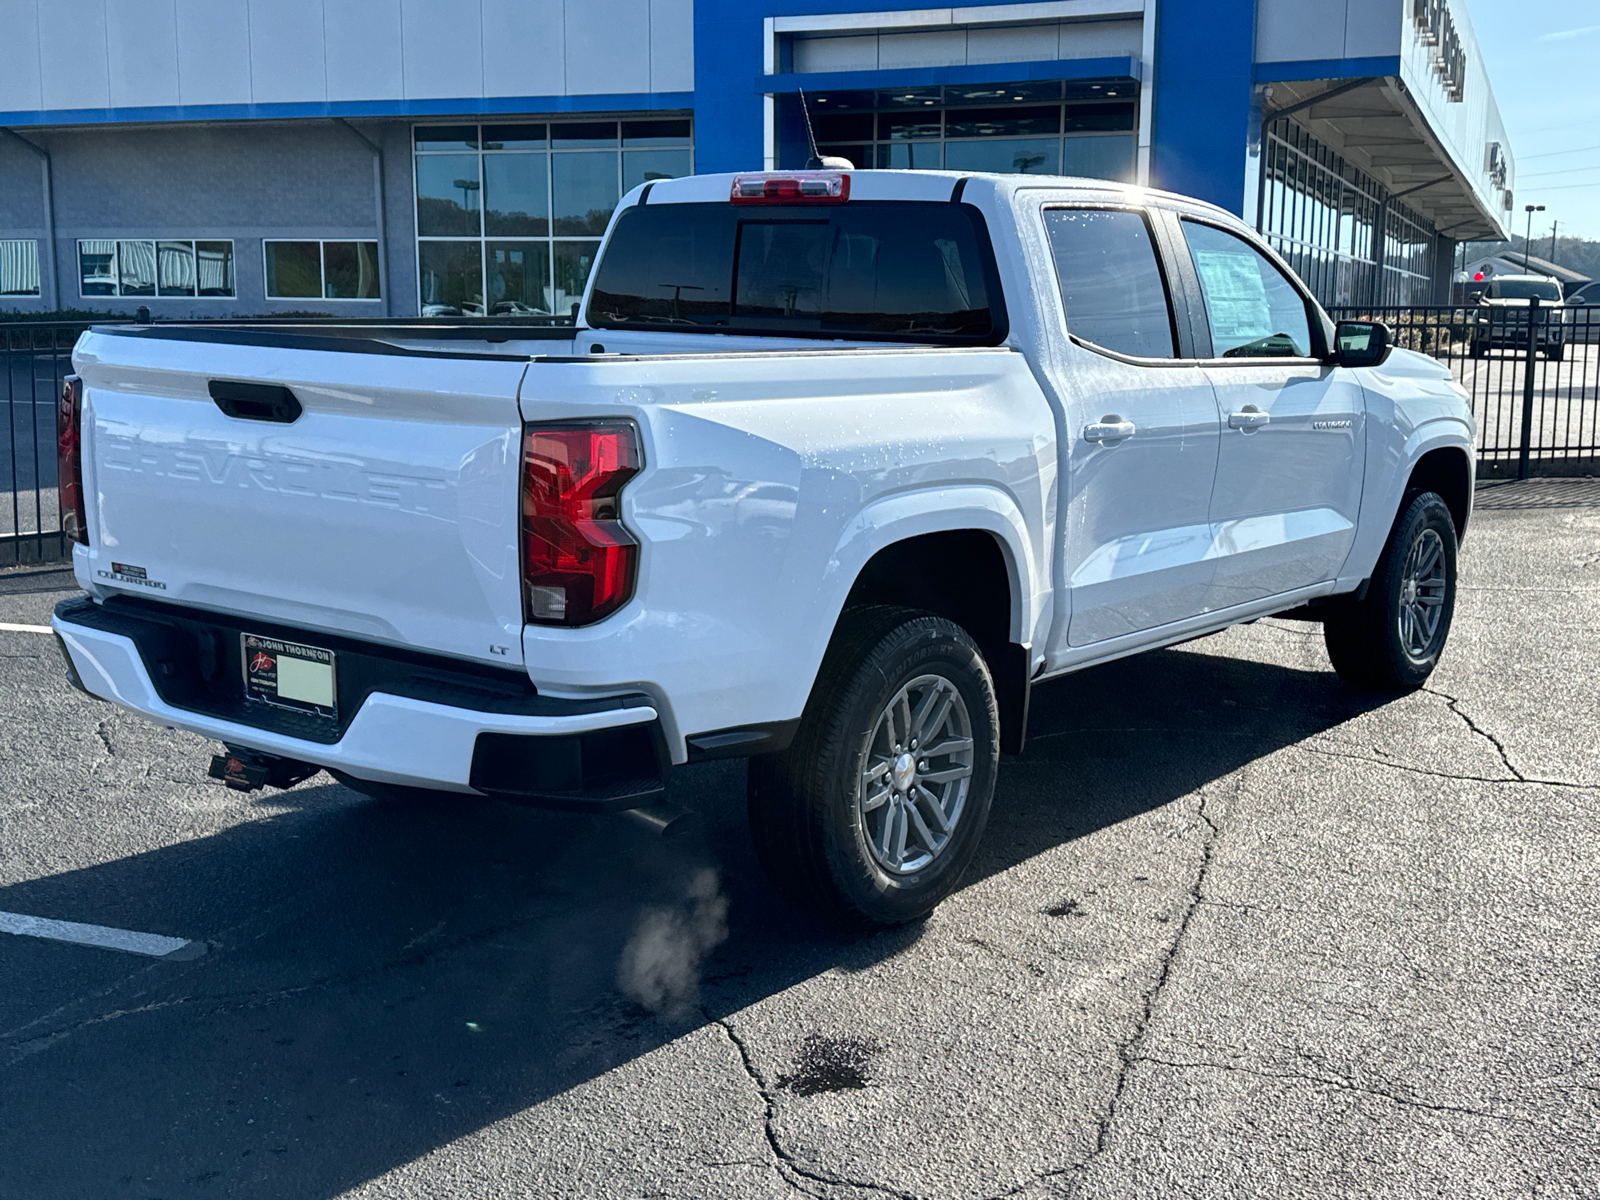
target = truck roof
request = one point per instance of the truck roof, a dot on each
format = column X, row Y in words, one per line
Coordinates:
column 896, row 184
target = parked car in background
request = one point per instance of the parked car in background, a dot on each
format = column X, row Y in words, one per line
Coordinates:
column 1503, row 312
column 1582, row 319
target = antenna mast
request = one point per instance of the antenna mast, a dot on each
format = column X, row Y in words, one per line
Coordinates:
column 811, row 138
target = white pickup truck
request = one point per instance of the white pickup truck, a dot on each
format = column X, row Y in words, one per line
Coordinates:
column 833, row 469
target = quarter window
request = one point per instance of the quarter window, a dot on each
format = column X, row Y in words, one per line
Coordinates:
column 1252, row 308
column 321, row 270
column 1110, row 281
column 150, row 267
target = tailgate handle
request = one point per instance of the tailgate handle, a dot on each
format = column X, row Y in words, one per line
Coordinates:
column 256, row 401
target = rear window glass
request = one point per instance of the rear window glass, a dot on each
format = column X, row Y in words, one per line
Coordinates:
column 1110, row 281
column 891, row 270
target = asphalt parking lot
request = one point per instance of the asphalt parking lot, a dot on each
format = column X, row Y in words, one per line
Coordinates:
column 1235, row 930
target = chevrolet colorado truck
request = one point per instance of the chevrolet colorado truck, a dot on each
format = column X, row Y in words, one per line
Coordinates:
column 833, row 468
column 1508, row 304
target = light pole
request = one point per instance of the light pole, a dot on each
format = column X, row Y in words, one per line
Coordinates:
column 1527, row 237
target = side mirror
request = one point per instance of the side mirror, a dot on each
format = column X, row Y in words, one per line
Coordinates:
column 1360, row 344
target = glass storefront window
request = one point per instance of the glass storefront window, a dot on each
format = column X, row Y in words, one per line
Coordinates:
column 147, row 267
column 213, row 263
column 97, row 267
column 1338, row 228
column 1098, row 157
column 19, row 267
column 325, row 270
column 1020, row 156
column 642, row 166
column 508, row 215
column 516, row 137
column 136, row 267
column 516, row 197
column 175, row 268
column 586, row 189
column 447, row 137
column 450, row 278
column 350, row 270
column 1001, row 122
column 642, row 134
column 584, row 135
column 1038, row 127
column 923, row 156
column 447, row 194
column 574, row 261
column 519, row 279
column 294, row 270
column 907, row 126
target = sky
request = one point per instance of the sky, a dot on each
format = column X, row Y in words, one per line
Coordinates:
column 1543, row 58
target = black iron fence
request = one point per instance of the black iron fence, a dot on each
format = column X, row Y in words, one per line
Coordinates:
column 34, row 358
column 1532, row 370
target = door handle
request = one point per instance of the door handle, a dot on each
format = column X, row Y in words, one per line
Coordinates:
column 255, row 401
column 1111, row 430
column 1250, row 418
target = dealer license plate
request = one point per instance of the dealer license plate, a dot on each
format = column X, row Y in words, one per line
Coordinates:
column 289, row 675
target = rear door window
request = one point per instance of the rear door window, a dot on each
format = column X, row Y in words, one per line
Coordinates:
column 889, row 270
column 1252, row 308
column 1110, row 280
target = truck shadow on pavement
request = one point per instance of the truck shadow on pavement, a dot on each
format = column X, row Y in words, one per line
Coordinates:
column 384, row 979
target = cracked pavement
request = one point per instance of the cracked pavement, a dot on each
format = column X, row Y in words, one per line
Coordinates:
column 1235, row 930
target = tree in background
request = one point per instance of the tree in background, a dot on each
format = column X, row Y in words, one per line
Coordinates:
column 1576, row 254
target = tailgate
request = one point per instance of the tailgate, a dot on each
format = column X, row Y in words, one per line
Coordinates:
column 386, row 510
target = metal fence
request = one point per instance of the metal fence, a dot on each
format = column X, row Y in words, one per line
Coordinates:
column 34, row 358
column 1532, row 370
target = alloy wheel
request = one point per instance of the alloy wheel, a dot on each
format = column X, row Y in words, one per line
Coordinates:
column 1423, row 584
column 916, row 772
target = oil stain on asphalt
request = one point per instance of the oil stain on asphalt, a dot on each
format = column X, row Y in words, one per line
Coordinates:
column 829, row 1064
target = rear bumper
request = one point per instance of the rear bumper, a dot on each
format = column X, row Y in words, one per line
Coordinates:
column 602, row 754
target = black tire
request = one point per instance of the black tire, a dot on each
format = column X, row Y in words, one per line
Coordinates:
column 1368, row 639
column 1555, row 353
column 806, row 818
column 1480, row 349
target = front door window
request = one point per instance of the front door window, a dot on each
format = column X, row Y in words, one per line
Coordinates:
column 1253, row 311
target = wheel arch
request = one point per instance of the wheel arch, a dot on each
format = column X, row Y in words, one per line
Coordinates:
column 968, row 561
column 1448, row 471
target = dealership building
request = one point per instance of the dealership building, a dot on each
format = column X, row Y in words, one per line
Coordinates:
column 382, row 158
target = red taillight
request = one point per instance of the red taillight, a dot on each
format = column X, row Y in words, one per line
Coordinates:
column 69, row 460
column 796, row 187
column 578, row 562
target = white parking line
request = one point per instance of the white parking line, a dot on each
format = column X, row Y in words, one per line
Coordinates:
column 153, row 944
column 8, row 627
